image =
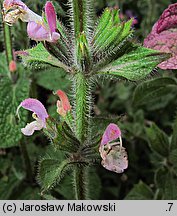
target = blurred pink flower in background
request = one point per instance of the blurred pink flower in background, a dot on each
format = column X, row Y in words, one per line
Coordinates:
column 163, row 36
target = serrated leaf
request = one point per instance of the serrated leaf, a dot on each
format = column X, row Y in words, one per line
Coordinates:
column 51, row 172
column 39, row 54
column 52, row 168
column 158, row 140
column 11, row 95
column 134, row 65
column 53, row 79
column 152, row 91
column 110, row 32
column 140, row 191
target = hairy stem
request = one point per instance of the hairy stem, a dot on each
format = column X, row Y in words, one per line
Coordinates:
column 8, row 43
column 80, row 185
column 82, row 106
column 82, row 109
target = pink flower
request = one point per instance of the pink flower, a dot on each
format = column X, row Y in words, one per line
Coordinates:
column 39, row 114
column 114, row 156
column 63, row 105
column 37, row 28
column 41, row 31
column 16, row 9
column 163, row 36
column 12, row 66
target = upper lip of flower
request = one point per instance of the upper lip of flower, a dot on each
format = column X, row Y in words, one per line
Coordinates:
column 39, row 114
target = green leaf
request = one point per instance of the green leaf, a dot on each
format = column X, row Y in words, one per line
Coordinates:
column 3, row 64
column 8, row 185
column 140, row 191
column 174, row 136
column 158, row 140
column 52, row 169
column 83, row 16
column 134, row 65
column 170, row 187
column 11, row 95
column 173, row 160
column 152, row 91
column 29, row 193
column 110, row 32
column 51, row 172
column 65, row 188
column 166, row 182
column 93, row 184
column 53, row 79
column 39, row 54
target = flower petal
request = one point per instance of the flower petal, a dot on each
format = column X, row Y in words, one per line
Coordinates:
column 51, row 16
column 36, row 107
column 64, row 100
column 7, row 4
column 111, row 133
column 15, row 10
column 37, row 32
column 31, row 127
column 116, row 160
column 55, row 36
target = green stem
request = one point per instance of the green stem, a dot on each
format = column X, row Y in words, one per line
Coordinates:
column 8, row 43
column 80, row 183
column 83, row 16
column 82, row 108
column 26, row 160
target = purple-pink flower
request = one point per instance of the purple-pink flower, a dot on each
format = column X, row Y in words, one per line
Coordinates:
column 163, row 36
column 16, row 9
column 114, row 156
column 38, row 29
column 41, row 31
column 39, row 114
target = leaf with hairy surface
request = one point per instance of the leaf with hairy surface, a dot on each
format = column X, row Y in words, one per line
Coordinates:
column 11, row 95
column 135, row 65
column 151, row 91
